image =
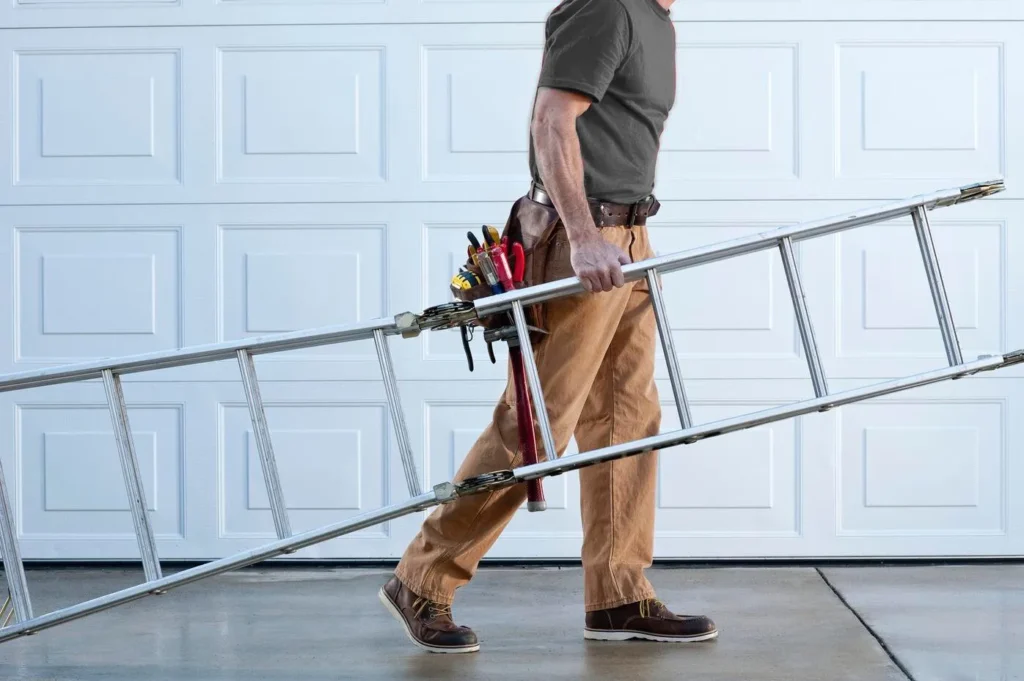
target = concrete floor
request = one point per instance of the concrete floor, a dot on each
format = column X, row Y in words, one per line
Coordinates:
column 784, row 624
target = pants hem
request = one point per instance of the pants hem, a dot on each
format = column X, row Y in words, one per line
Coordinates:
column 607, row 605
column 421, row 590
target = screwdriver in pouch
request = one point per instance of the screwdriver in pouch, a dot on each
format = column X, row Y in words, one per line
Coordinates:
column 486, row 266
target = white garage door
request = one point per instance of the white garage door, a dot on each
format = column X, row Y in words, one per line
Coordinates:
column 194, row 171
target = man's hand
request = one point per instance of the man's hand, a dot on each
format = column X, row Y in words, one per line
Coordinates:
column 597, row 263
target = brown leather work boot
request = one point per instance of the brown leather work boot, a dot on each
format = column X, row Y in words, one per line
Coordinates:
column 428, row 624
column 649, row 620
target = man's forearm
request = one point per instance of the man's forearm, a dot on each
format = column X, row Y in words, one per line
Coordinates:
column 560, row 164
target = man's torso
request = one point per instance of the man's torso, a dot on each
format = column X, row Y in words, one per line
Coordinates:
column 620, row 134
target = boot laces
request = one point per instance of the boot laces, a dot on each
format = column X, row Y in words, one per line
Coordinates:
column 434, row 609
column 649, row 605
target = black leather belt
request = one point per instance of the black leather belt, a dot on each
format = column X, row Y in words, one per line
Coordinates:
column 607, row 213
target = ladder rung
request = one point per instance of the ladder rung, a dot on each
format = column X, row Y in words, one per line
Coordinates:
column 803, row 317
column 132, row 475
column 387, row 369
column 937, row 287
column 264, row 445
column 10, row 553
column 668, row 346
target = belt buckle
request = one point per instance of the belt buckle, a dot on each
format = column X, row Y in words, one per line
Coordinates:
column 631, row 220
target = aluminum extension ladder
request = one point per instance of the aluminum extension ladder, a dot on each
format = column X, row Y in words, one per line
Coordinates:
column 452, row 315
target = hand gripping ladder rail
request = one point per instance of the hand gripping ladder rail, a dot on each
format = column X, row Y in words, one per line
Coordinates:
column 452, row 315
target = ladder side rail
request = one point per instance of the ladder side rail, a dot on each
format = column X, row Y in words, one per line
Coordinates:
column 134, row 488
column 723, row 250
column 937, row 287
column 668, row 346
column 803, row 317
column 447, row 492
column 199, row 354
column 10, row 553
column 759, row 418
column 387, row 369
column 264, row 445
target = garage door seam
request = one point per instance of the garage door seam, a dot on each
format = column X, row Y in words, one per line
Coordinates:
column 888, row 651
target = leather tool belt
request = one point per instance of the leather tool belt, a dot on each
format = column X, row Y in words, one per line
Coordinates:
column 606, row 213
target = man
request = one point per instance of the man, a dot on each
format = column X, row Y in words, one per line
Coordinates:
column 606, row 87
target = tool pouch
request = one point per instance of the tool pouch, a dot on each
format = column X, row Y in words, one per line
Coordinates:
column 537, row 227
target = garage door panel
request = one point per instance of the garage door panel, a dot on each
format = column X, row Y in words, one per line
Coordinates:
column 418, row 113
column 745, row 131
column 72, row 484
column 85, row 292
column 888, row 96
column 26, row 13
column 98, row 117
column 746, row 484
column 302, row 114
column 915, row 467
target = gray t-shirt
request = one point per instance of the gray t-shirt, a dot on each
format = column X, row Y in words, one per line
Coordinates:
column 620, row 53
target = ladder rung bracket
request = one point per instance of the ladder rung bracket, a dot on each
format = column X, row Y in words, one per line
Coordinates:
column 937, row 287
column 533, row 379
column 668, row 346
column 10, row 553
column 803, row 317
column 264, row 445
column 394, row 398
column 132, row 475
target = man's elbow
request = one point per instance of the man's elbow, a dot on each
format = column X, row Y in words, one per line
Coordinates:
column 555, row 113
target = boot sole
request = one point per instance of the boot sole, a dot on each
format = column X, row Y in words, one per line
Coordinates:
column 397, row 614
column 595, row 635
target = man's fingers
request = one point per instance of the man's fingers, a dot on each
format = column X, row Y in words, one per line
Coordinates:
column 618, row 279
column 624, row 259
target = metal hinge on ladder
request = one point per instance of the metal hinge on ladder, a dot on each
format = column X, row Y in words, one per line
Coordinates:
column 452, row 315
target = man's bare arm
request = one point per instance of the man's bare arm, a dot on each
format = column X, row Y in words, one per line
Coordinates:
column 560, row 164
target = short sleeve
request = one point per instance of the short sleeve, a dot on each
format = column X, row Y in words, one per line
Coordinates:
column 587, row 42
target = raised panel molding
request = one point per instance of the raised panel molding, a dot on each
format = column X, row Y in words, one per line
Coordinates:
column 477, row 111
column 97, row 291
column 743, row 484
column 744, row 308
column 309, row 114
column 98, row 117
column 332, row 459
column 886, row 308
column 919, row 111
column 277, row 278
column 737, row 120
column 922, row 468
column 72, row 485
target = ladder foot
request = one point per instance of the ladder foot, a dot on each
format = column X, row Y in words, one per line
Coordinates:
column 534, row 506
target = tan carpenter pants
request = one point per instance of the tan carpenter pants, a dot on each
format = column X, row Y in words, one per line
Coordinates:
column 596, row 369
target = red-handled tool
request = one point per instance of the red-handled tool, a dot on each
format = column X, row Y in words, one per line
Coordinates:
column 518, row 263
column 496, row 249
column 527, row 436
